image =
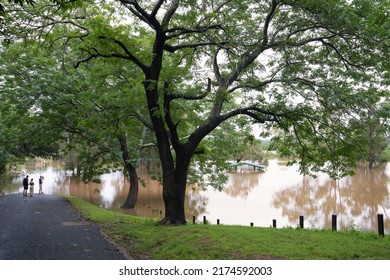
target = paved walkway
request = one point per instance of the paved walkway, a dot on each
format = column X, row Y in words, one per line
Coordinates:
column 46, row 227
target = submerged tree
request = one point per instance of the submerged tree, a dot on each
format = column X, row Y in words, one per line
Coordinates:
column 372, row 125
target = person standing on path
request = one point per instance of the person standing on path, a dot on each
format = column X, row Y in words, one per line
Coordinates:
column 40, row 184
column 31, row 187
column 25, row 186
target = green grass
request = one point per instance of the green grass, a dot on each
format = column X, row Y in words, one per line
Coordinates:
column 143, row 239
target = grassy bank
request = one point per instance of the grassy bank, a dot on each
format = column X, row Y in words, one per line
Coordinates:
column 144, row 240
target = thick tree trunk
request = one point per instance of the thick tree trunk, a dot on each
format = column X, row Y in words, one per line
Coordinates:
column 174, row 191
column 174, row 198
column 174, row 171
column 173, row 186
column 132, row 196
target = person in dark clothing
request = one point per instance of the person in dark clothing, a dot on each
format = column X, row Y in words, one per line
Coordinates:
column 40, row 184
column 25, row 186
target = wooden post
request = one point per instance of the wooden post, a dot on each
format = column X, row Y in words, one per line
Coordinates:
column 274, row 223
column 334, row 222
column 301, row 221
column 217, row 221
column 204, row 220
column 193, row 219
column 381, row 227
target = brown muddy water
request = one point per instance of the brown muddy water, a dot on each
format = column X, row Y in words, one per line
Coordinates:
column 279, row 193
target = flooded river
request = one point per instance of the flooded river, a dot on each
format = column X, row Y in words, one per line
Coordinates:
column 279, row 193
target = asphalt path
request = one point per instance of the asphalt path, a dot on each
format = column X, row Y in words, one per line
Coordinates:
column 47, row 227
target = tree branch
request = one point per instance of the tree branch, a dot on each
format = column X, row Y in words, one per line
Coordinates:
column 179, row 31
column 252, row 55
column 258, row 114
column 157, row 8
column 142, row 119
column 268, row 20
column 141, row 13
column 172, row 49
column 172, row 127
column 169, row 14
column 200, row 96
column 345, row 61
column 128, row 56
column 90, row 57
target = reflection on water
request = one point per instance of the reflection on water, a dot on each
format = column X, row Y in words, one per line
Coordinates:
column 56, row 178
column 355, row 200
column 279, row 193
